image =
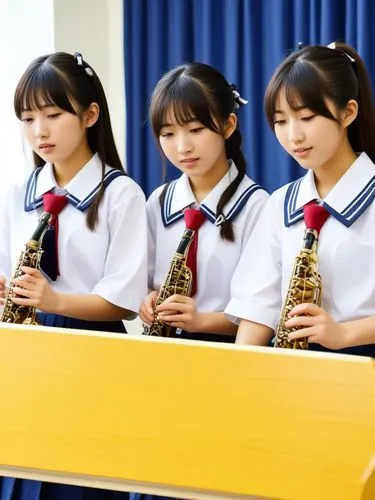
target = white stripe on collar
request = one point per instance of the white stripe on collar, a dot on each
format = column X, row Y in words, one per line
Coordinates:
column 357, row 185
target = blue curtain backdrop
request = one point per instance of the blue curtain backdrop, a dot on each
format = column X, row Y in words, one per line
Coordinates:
column 246, row 40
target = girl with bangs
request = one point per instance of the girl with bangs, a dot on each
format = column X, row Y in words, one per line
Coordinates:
column 93, row 274
column 193, row 119
column 320, row 106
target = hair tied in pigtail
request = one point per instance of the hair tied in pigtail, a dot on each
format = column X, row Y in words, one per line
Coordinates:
column 220, row 220
column 238, row 100
column 332, row 46
column 78, row 57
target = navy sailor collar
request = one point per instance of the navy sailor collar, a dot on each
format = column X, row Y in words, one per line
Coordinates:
column 179, row 196
column 81, row 190
column 347, row 201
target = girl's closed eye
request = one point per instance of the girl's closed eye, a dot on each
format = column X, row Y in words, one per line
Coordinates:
column 166, row 134
column 196, row 130
column 308, row 118
column 53, row 115
column 279, row 122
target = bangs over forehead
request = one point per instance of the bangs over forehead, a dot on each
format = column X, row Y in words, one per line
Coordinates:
column 185, row 100
column 304, row 86
column 42, row 86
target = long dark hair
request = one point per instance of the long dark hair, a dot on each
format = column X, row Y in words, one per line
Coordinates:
column 197, row 91
column 64, row 80
column 316, row 73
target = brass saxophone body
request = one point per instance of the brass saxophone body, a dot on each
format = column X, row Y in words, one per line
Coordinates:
column 30, row 257
column 305, row 286
column 177, row 281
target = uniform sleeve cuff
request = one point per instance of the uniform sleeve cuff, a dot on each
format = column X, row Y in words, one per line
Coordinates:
column 238, row 309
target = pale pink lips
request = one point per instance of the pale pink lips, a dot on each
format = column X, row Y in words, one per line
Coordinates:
column 189, row 162
column 302, row 152
column 46, row 148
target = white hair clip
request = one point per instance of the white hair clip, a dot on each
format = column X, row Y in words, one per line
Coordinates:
column 219, row 220
column 238, row 100
column 332, row 46
column 78, row 57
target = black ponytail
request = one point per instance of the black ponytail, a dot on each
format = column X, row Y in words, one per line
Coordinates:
column 234, row 152
column 361, row 132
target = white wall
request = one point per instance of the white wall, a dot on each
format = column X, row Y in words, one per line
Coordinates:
column 94, row 27
column 116, row 73
column 26, row 31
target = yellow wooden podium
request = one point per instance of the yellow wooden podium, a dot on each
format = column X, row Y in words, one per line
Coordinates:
column 192, row 420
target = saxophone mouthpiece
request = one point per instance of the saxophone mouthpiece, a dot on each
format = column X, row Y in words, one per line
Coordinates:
column 46, row 217
column 310, row 238
column 43, row 224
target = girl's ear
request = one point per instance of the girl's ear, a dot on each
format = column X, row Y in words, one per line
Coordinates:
column 91, row 115
column 350, row 113
column 230, row 125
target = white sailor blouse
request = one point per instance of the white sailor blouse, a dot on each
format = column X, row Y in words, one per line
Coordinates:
column 111, row 260
column 216, row 258
column 346, row 250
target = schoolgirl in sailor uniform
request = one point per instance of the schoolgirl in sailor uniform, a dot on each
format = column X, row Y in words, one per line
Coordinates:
column 201, row 137
column 193, row 119
column 105, row 262
column 96, row 274
column 321, row 130
column 216, row 257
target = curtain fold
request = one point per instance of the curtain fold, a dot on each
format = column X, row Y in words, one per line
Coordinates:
column 246, row 40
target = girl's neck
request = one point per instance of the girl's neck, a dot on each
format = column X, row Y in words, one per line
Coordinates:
column 328, row 175
column 203, row 185
column 66, row 170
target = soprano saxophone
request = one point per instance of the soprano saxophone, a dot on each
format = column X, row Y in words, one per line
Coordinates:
column 30, row 257
column 177, row 281
column 305, row 286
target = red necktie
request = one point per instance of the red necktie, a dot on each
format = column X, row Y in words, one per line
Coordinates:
column 315, row 215
column 194, row 218
column 54, row 203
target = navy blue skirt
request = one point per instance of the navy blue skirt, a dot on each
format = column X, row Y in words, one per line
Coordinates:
column 26, row 489
column 141, row 496
column 206, row 337
column 80, row 324
column 361, row 350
